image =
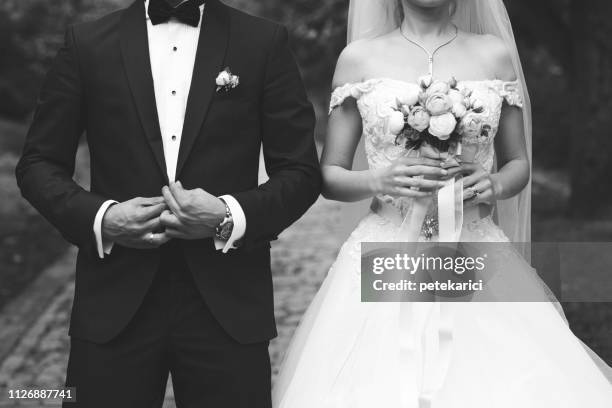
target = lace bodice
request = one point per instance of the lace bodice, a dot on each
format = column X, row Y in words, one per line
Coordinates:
column 376, row 99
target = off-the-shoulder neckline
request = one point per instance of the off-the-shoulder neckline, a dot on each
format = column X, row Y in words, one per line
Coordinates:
column 469, row 81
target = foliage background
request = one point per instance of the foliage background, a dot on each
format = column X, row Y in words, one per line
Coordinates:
column 568, row 62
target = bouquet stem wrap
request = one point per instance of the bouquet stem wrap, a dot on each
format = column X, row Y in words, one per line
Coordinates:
column 450, row 211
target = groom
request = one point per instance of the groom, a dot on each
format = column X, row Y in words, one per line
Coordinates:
column 170, row 278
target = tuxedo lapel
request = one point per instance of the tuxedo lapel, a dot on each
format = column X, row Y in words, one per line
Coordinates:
column 134, row 45
column 212, row 47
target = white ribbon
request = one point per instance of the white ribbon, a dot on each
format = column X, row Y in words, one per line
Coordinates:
column 429, row 359
column 425, row 359
column 438, row 349
column 450, row 203
column 450, row 211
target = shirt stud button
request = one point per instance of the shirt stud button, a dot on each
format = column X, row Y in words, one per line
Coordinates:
column 174, row 49
column 173, row 92
column 173, row 138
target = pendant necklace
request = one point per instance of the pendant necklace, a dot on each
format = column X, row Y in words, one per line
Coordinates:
column 432, row 54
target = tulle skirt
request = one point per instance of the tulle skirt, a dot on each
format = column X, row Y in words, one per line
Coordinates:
column 349, row 354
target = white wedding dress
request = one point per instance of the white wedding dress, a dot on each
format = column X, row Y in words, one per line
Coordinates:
column 349, row 354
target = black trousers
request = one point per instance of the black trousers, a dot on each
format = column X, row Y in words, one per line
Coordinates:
column 173, row 332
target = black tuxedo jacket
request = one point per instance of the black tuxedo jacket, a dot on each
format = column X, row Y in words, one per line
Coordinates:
column 101, row 84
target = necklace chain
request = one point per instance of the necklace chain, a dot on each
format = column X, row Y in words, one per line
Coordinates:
column 432, row 54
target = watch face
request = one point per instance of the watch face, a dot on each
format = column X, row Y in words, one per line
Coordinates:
column 225, row 231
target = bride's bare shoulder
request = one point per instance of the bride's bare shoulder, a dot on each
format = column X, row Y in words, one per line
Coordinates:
column 355, row 60
column 493, row 52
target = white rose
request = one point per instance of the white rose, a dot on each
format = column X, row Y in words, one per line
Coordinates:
column 471, row 126
column 224, row 78
column 438, row 87
column 418, row 118
column 396, row 122
column 459, row 109
column 455, row 96
column 410, row 97
column 438, row 104
column 442, row 126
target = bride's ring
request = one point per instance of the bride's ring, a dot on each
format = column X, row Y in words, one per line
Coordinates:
column 475, row 193
column 150, row 238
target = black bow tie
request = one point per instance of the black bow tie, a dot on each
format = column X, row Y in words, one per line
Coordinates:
column 188, row 12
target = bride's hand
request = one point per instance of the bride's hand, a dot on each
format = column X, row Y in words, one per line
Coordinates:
column 403, row 177
column 479, row 186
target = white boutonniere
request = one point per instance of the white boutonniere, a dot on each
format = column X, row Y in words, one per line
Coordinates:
column 227, row 81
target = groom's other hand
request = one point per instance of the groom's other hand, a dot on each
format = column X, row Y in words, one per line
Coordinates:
column 135, row 223
column 194, row 214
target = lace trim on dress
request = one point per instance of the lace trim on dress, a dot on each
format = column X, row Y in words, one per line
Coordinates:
column 354, row 90
column 511, row 92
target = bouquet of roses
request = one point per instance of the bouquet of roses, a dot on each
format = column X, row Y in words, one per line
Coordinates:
column 439, row 114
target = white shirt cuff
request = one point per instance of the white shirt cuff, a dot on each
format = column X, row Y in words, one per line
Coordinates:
column 102, row 247
column 239, row 225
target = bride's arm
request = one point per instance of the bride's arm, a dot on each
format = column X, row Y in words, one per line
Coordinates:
column 340, row 182
column 513, row 161
column 514, row 169
column 513, row 164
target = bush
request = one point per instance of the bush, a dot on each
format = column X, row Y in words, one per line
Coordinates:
column 317, row 28
column 31, row 31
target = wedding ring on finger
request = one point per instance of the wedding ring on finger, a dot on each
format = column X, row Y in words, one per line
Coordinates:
column 151, row 238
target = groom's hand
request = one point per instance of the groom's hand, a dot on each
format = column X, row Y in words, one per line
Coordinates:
column 135, row 223
column 194, row 214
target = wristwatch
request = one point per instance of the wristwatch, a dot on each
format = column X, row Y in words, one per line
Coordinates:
column 225, row 229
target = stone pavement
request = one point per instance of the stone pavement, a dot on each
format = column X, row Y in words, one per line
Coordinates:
column 300, row 260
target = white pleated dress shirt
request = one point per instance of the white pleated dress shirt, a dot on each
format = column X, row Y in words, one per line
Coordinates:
column 172, row 49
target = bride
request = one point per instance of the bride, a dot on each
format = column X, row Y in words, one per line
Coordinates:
column 349, row 354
